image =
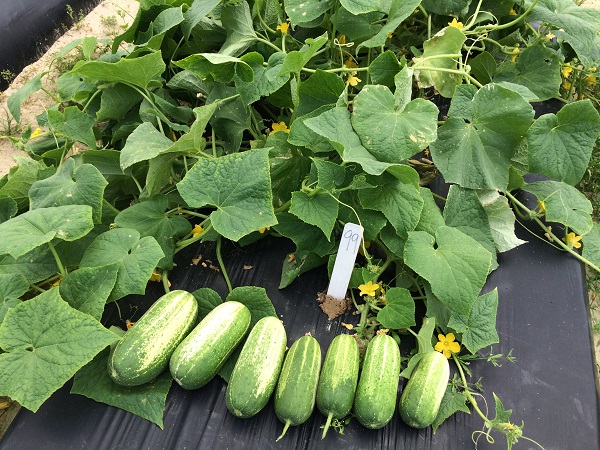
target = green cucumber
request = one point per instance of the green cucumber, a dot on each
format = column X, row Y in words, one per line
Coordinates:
column 338, row 380
column 375, row 400
column 297, row 385
column 257, row 368
column 143, row 352
column 422, row 396
column 198, row 358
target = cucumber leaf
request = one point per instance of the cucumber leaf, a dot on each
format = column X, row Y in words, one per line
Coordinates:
column 399, row 312
column 45, row 343
column 87, row 288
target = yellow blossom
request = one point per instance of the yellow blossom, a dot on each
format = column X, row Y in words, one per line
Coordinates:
column 350, row 63
column 368, row 289
column 263, row 229
column 572, row 240
column 512, row 12
column 281, row 126
column 390, row 34
column 353, row 80
column 283, row 27
column 456, row 24
column 514, row 54
column 156, row 276
column 447, row 345
column 57, row 282
column 35, row 133
column 566, row 70
column 349, row 326
column 566, row 85
column 550, row 36
column 590, row 80
column 542, row 207
column 342, row 39
column 197, row 230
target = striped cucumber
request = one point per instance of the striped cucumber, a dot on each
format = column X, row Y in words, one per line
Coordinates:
column 144, row 351
column 375, row 400
column 256, row 371
column 198, row 358
column 422, row 396
column 339, row 376
column 297, row 385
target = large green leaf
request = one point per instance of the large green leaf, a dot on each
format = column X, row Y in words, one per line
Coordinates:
column 304, row 11
column 45, row 342
column 399, row 312
column 221, row 68
column 575, row 24
column 265, row 80
column 456, row 267
column 237, row 21
column 398, row 11
column 357, row 7
column 478, row 329
column 591, row 245
column 401, row 203
column 564, row 204
column 452, row 402
column 501, row 218
column 320, row 210
column 320, row 89
column 145, row 143
column 335, row 126
column 305, row 236
column 231, row 119
column 8, row 208
column 12, row 286
column 447, row 7
column 36, row 265
column 18, row 181
column 392, row 133
column 73, row 124
column 195, row 13
column 560, row 146
column 149, row 219
column 476, row 154
column 136, row 258
column 87, row 289
column 83, row 185
column 147, row 401
column 295, row 60
column 431, row 216
column 207, row 300
column 238, row 186
column 138, row 71
column 537, row 68
column 432, row 70
column 464, row 211
column 23, row 233
column 20, row 95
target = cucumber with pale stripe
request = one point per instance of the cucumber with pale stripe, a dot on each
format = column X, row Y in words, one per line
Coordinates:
column 255, row 374
column 338, row 379
column 144, row 350
column 297, row 385
column 422, row 396
column 198, row 358
column 377, row 390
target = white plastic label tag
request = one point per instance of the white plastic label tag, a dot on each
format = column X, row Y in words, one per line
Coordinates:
column 344, row 260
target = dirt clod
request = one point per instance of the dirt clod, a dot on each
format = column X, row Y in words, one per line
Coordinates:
column 332, row 306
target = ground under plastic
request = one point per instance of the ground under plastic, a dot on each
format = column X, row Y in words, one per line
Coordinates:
column 542, row 316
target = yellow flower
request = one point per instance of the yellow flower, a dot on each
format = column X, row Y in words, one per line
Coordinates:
column 512, row 12
column 197, row 230
column 57, row 282
column 390, row 34
column 542, row 207
column 35, row 133
column 550, row 36
column 281, row 126
column 590, row 80
column 263, row 229
column 514, row 54
column 342, row 39
column 283, row 27
column 350, row 63
column 446, row 345
column 349, row 326
column 368, row 289
column 572, row 240
column 156, row 276
column 566, row 70
column 456, row 24
column 353, row 80
column 566, row 85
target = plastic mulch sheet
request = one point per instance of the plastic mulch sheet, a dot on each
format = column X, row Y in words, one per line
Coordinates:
column 542, row 317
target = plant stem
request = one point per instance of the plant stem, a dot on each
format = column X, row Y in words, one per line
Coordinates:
column 110, row 206
column 466, row 390
column 165, row 281
column 222, row 265
column 61, row 268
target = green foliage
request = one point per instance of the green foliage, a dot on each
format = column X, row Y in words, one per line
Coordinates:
column 221, row 116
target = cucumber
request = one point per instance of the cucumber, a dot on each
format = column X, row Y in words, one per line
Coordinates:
column 198, row 358
column 297, row 385
column 375, row 400
column 256, row 371
column 144, row 350
column 422, row 396
column 338, row 380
